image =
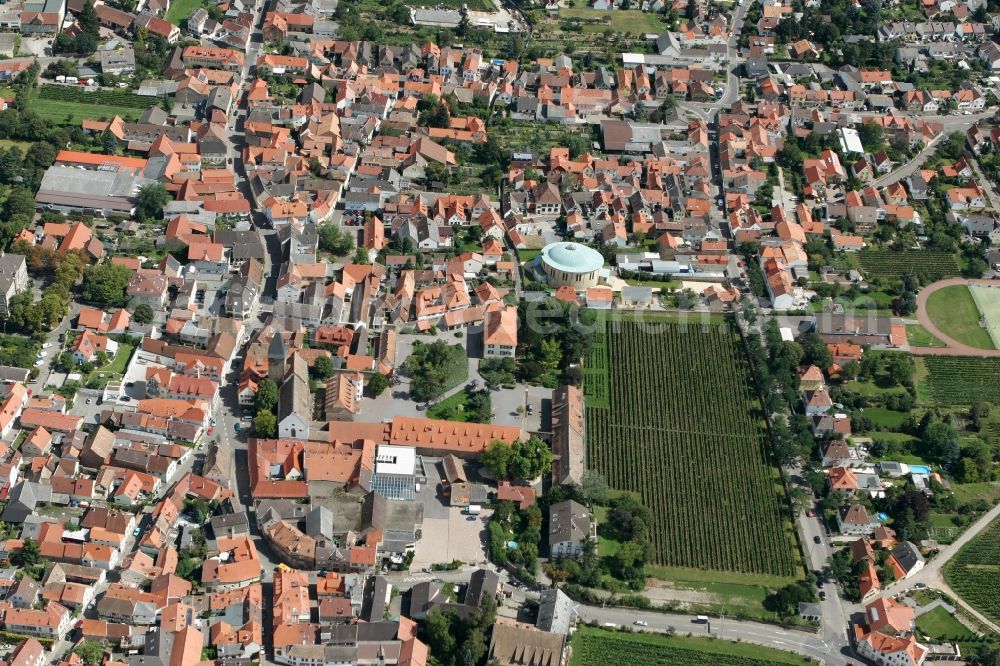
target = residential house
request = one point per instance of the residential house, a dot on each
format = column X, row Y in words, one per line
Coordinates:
column 570, row 525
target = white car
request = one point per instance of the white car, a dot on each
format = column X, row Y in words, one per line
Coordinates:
column 641, row 623
column 39, row 364
column 42, row 354
column 47, row 345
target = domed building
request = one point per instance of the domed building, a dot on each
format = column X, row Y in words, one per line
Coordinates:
column 571, row 264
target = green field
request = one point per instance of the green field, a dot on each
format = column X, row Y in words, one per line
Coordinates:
column 918, row 336
column 672, row 415
column 599, row 647
column 930, row 264
column 621, row 20
column 71, row 105
column 954, row 311
column 181, row 9
column 974, row 574
column 988, row 301
column 961, row 380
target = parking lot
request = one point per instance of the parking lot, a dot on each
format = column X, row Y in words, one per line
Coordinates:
column 455, row 537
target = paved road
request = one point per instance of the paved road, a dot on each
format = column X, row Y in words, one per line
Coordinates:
column 931, row 573
column 911, row 166
column 954, row 347
column 800, row 642
column 986, row 184
column 836, row 612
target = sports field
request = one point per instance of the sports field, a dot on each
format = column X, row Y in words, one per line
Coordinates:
column 988, row 301
column 672, row 414
column 954, row 311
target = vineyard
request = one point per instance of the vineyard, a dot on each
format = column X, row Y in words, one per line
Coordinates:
column 78, row 95
column 961, row 380
column 974, row 574
column 678, row 421
column 932, row 264
column 595, row 647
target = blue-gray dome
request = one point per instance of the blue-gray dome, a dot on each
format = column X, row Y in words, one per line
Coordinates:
column 572, row 257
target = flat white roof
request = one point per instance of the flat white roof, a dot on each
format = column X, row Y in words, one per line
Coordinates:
column 850, row 142
column 399, row 460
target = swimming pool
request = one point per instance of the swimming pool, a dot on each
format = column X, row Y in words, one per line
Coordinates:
column 920, row 469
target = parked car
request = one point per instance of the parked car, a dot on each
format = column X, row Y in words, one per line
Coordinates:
column 816, row 539
column 641, row 623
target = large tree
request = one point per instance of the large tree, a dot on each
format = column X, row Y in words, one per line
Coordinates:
column 106, row 283
column 150, row 201
column 265, row 424
column 335, row 240
column 267, row 395
column 89, row 22
column 497, row 458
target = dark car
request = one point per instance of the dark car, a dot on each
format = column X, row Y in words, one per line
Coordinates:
column 816, row 539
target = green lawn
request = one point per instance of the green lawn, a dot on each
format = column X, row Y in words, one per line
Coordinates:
column 941, row 520
column 726, row 592
column 954, row 311
column 872, row 389
column 906, row 458
column 605, row 546
column 918, row 336
column 941, row 624
column 453, row 408
column 10, row 143
column 622, row 20
column 528, row 255
column 886, row 418
column 120, row 362
column 181, row 9
column 966, row 492
column 115, row 368
column 895, row 437
column 596, row 647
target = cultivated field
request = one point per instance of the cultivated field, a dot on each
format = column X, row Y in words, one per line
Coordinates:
column 598, row 647
column 70, row 105
column 931, row 264
column 988, row 301
column 673, row 415
column 962, row 380
column 975, row 572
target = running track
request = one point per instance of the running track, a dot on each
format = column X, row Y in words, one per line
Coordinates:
column 954, row 347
